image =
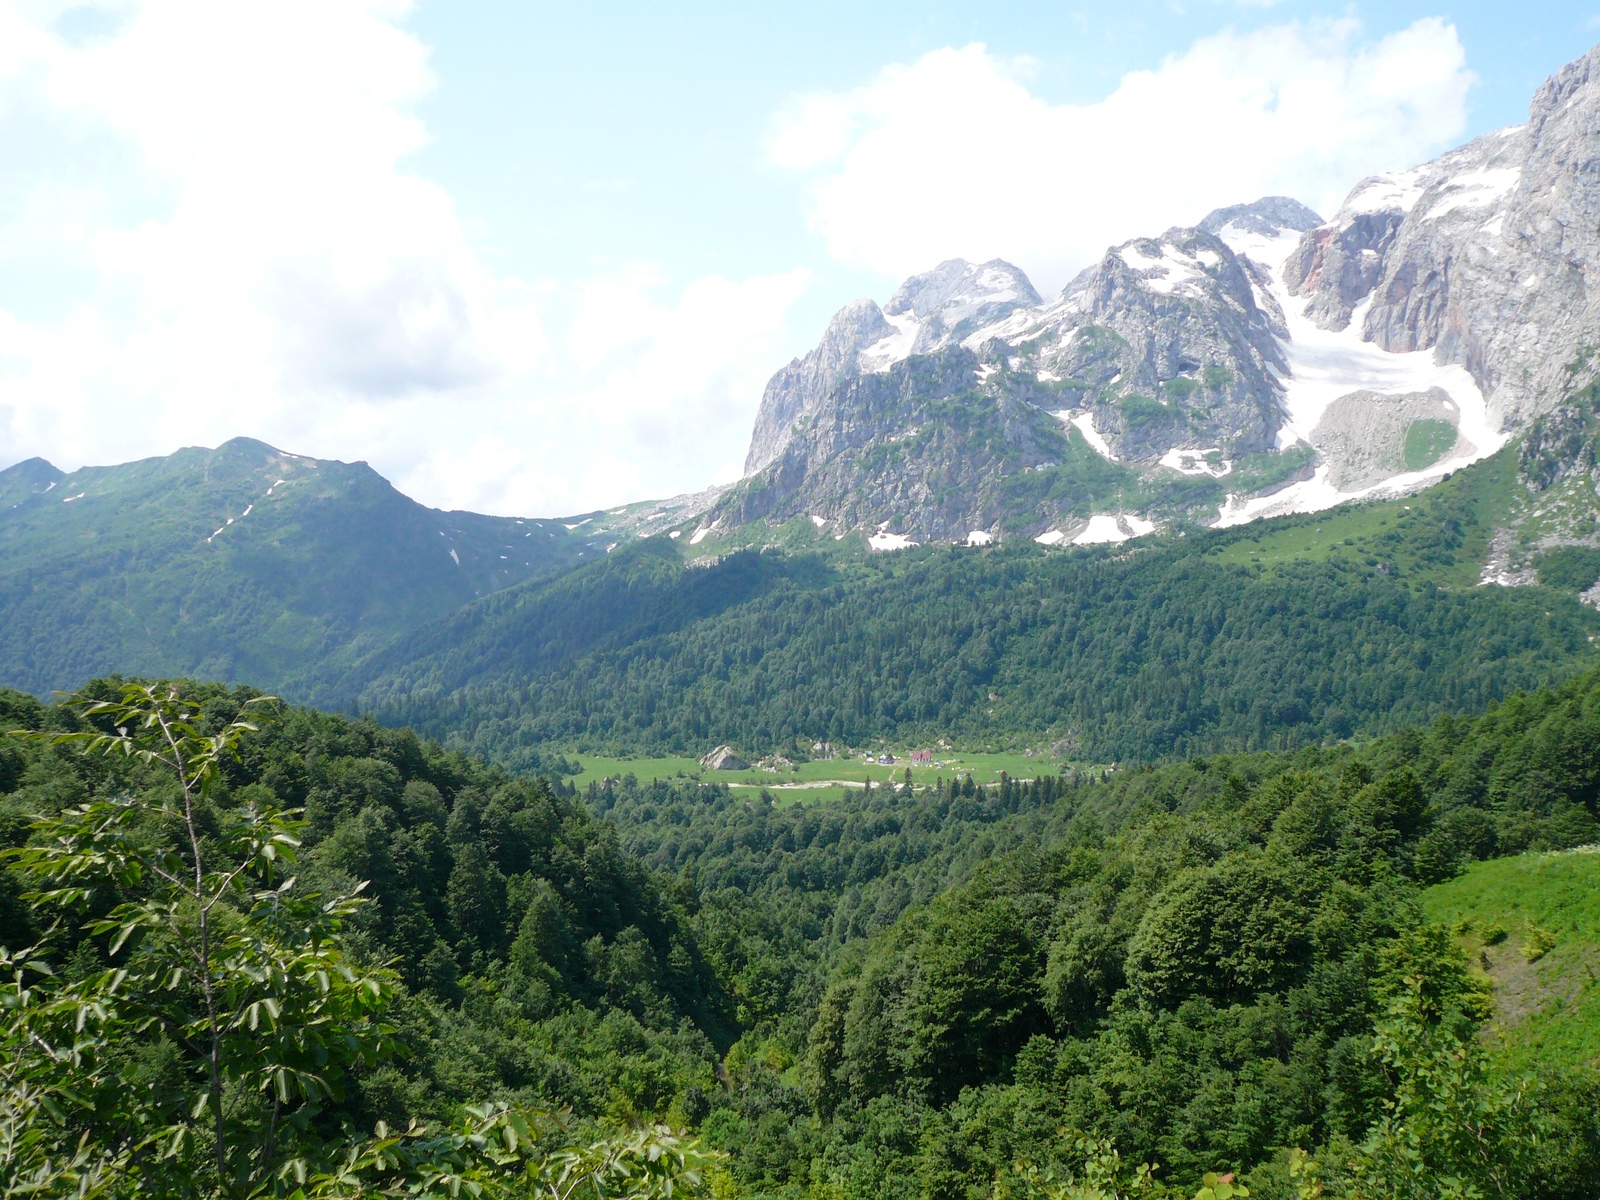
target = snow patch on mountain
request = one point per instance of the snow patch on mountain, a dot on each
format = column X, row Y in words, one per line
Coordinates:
column 1475, row 189
column 896, row 347
column 1106, row 527
column 1083, row 422
column 1397, row 191
column 1326, row 364
column 890, row 541
column 1197, row 462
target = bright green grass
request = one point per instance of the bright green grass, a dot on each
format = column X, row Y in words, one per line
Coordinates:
column 825, row 778
column 1440, row 535
column 1426, row 443
column 1547, row 1013
column 645, row 769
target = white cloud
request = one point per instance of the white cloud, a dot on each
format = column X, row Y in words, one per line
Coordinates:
column 214, row 203
column 654, row 398
column 953, row 155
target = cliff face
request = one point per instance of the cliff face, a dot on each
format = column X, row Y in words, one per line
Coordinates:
column 1170, row 342
column 1486, row 256
column 922, row 449
column 795, row 390
column 929, row 312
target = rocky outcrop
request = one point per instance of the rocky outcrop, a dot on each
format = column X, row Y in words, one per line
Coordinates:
column 1169, row 342
column 795, row 390
column 929, row 312
column 922, row 449
column 956, row 299
column 1339, row 264
column 724, row 758
column 1363, row 436
column 1267, row 217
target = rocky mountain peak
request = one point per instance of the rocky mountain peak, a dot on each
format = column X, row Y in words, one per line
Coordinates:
column 928, row 312
column 957, row 291
column 1567, row 84
column 793, row 391
column 22, row 481
column 1488, row 256
column 1278, row 361
column 1267, row 217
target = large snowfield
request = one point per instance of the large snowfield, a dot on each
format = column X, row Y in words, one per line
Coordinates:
column 1324, row 365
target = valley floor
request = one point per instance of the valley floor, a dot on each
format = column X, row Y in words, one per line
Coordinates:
column 830, row 778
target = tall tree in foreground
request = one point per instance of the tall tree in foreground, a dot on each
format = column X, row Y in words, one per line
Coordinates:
column 229, row 965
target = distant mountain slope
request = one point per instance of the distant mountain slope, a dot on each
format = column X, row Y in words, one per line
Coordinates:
column 1488, row 256
column 240, row 563
column 1186, row 644
column 968, row 405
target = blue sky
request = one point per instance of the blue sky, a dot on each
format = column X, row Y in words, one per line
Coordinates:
column 537, row 258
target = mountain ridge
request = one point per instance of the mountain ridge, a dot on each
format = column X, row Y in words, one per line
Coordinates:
column 1454, row 293
column 239, row 562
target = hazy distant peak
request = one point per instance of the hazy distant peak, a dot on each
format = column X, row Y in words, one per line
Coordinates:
column 1266, row 216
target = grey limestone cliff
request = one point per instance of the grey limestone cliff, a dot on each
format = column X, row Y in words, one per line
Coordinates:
column 929, row 311
column 1489, row 255
column 795, row 389
column 922, row 449
column 1169, row 342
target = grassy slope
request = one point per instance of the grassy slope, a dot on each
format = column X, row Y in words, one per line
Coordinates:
column 1440, row 535
column 1547, row 1012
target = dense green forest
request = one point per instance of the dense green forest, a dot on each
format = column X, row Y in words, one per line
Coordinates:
column 1056, row 988
column 1180, row 645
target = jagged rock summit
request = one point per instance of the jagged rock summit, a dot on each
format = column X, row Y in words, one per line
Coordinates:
column 926, row 314
column 918, row 419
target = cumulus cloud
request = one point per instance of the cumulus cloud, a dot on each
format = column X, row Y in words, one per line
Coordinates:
column 954, row 155
column 214, row 205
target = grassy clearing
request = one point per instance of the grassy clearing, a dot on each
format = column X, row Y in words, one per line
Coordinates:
column 828, row 778
column 644, row 769
column 1547, row 1011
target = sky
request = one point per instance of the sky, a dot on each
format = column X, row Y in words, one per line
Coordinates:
column 536, row 259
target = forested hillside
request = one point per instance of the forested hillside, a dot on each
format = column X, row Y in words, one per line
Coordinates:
column 1199, row 966
column 1192, row 643
column 242, row 563
column 532, row 959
